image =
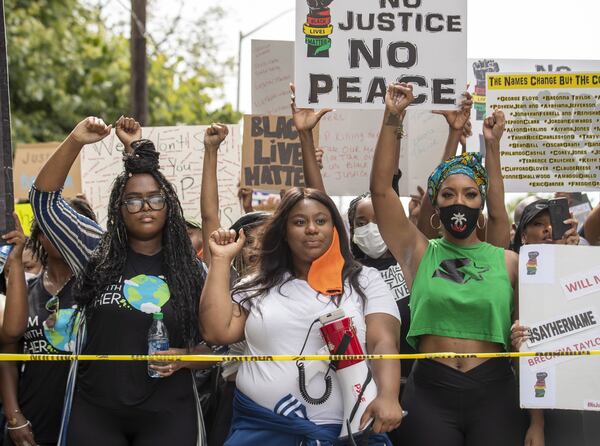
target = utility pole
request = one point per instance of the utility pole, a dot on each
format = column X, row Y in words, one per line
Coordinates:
column 139, row 63
column 7, row 201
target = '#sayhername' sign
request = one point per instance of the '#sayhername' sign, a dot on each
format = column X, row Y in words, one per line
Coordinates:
column 348, row 51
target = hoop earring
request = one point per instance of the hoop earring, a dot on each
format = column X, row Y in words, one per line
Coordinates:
column 431, row 221
column 484, row 222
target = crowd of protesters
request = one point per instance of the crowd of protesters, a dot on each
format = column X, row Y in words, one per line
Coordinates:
column 259, row 287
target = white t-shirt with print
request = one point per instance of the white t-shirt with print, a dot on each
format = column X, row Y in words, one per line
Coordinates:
column 278, row 323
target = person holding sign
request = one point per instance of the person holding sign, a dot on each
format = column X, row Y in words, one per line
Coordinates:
column 144, row 263
column 455, row 281
column 306, row 276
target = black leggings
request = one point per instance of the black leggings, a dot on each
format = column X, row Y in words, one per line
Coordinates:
column 91, row 425
column 451, row 408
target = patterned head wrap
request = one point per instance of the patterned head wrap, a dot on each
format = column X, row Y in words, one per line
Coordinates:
column 467, row 164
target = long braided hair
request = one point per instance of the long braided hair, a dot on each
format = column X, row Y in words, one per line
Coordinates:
column 182, row 270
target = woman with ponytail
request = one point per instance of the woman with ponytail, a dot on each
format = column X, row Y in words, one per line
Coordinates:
column 144, row 263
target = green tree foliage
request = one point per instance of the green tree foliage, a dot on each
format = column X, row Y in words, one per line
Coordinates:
column 64, row 64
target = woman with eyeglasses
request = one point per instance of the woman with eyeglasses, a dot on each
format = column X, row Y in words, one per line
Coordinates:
column 33, row 392
column 144, row 263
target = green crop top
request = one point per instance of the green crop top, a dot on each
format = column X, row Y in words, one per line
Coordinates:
column 461, row 292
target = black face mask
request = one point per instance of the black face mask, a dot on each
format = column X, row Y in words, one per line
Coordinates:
column 459, row 220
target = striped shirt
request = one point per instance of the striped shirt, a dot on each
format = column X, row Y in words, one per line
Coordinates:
column 74, row 235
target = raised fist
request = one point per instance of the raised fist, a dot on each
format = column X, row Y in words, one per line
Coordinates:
column 318, row 4
column 481, row 67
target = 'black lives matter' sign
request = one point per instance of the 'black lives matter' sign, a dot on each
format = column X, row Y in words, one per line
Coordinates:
column 271, row 153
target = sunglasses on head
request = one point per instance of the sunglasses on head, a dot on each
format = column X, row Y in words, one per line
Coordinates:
column 155, row 202
column 52, row 306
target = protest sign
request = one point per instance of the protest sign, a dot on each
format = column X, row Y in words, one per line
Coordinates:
column 348, row 52
column 559, row 300
column 30, row 158
column 478, row 68
column 271, row 153
column 348, row 137
column 272, row 72
column 25, row 213
column 422, row 149
column 181, row 155
column 552, row 138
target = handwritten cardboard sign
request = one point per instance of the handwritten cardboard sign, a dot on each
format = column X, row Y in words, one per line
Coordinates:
column 271, row 153
column 181, row 155
column 30, row 158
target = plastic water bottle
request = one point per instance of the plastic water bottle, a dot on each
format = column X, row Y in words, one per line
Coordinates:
column 158, row 341
column 4, row 252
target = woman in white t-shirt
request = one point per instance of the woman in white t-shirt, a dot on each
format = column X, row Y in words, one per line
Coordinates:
column 274, row 312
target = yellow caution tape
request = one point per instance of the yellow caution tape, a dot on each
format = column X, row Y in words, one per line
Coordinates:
column 277, row 358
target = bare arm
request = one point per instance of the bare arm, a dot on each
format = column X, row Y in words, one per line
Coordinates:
column 16, row 310
column 591, row 227
column 128, row 130
column 245, row 197
column 305, row 120
column 498, row 223
column 383, row 335
column 403, row 239
column 9, row 382
column 221, row 321
column 457, row 120
column 209, row 193
column 54, row 173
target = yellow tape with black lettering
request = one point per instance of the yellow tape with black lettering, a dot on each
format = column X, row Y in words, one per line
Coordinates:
column 277, row 358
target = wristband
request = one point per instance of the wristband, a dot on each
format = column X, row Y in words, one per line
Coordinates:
column 28, row 423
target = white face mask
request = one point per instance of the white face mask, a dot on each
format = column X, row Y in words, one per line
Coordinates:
column 29, row 276
column 369, row 240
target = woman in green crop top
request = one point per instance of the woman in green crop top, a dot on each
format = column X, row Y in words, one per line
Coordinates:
column 464, row 294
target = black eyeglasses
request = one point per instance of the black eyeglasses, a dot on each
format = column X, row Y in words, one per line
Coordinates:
column 135, row 205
